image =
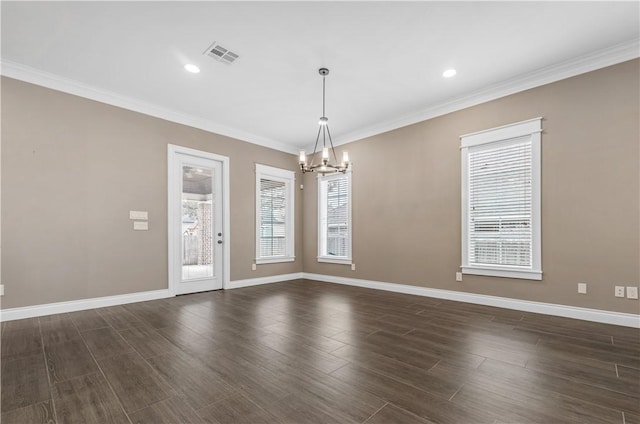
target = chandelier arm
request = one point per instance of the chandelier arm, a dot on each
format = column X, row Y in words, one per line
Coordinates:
column 331, row 142
column 313, row 155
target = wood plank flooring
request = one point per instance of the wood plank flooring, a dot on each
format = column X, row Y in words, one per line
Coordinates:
column 309, row 352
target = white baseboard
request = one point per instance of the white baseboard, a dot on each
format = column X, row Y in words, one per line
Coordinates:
column 596, row 315
column 101, row 302
column 263, row 280
column 80, row 305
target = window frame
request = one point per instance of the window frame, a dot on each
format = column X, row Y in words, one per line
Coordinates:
column 288, row 178
column 531, row 128
column 344, row 260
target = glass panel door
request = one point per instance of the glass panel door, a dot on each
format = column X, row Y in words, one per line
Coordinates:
column 196, row 241
column 197, row 222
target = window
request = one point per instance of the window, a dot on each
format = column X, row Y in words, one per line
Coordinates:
column 501, row 201
column 274, row 215
column 334, row 218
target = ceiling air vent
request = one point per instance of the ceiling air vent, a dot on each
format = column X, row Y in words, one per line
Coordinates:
column 221, row 54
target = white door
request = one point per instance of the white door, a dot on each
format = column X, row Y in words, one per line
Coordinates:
column 196, row 221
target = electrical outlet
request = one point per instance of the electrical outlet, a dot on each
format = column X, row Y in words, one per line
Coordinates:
column 458, row 276
column 632, row 292
column 619, row 291
column 1, row 289
column 582, row 288
column 253, row 267
column 353, row 267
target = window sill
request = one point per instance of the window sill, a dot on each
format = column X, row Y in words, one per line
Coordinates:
column 275, row 260
column 501, row 272
column 328, row 259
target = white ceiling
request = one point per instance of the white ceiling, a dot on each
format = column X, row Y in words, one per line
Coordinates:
column 386, row 58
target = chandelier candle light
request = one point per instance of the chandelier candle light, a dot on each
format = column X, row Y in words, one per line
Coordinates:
column 324, row 167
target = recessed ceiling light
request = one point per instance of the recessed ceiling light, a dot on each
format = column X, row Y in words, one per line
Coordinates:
column 192, row 68
column 449, row 73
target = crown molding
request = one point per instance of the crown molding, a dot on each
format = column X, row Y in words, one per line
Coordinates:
column 576, row 66
column 596, row 60
column 55, row 82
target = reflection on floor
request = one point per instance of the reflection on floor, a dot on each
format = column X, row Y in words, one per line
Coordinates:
column 309, row 352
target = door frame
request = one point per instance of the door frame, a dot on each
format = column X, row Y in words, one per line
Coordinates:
column 172, row 192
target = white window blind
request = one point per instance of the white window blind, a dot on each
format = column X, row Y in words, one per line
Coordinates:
column 501, row 201
column 274, row 214
column 500, row 205
column 272, row 218
column 334, row 225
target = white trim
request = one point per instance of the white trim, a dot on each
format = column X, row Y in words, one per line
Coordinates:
column 586, row 314
column 264, row 280
column 81, row 305
column 464, row 202
column 35, row 76
column 506, row 134
column 287, row 177
column 331, row 260
column 275, row 260
column 172, row 150
column 508, row 273
column 335, row 259
column 536, row 199
column 272, row 171
column 590, row 62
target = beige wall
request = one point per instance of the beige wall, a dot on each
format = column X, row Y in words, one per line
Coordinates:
column 406, row 195
column 72, row 169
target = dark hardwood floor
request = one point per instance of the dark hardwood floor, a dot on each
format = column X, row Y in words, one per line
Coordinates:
column 309, row 352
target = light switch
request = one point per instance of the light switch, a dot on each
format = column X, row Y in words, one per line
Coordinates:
column 143, row 215
column 140, row 225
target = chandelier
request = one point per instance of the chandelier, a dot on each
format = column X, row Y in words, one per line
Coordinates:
column 324, row 166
